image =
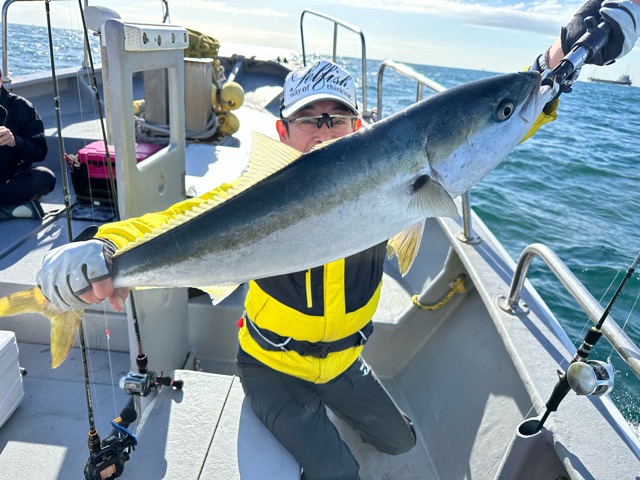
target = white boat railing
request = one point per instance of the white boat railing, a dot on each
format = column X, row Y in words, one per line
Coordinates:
column 421, row 81
column 5, row 42
column 337, row 22
column 610, row 329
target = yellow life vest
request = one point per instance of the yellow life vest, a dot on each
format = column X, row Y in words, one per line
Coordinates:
column 323, row 304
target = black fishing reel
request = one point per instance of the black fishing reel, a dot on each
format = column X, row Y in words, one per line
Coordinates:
column 142, row 384
column 567, row 71
column 108, row 462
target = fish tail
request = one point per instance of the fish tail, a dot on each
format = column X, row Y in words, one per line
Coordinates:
column 64, row 325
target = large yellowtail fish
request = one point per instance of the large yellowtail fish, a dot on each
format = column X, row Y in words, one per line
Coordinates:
column 290, row 211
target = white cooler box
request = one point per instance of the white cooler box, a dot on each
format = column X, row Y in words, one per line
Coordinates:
column 11, row 391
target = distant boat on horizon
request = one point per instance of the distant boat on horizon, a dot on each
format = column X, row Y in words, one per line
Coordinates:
column 622, row 80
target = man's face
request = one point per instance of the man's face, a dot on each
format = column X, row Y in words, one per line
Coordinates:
column 303, row 139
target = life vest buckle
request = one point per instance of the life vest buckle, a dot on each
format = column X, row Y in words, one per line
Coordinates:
column 315, row 349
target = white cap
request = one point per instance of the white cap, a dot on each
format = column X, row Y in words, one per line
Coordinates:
column 321, row 81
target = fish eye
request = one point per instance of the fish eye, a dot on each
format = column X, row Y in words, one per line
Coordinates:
column 505, row 110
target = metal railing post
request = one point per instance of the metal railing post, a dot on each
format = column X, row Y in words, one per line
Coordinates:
column 619, row 340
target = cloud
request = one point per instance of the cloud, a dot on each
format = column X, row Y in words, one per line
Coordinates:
column 544, row 16
column 204, row 7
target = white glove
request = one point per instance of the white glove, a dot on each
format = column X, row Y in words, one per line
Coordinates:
column 68, row 271
column 626, row 15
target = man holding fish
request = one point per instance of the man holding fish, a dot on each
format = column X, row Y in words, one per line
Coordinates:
column 302, row 334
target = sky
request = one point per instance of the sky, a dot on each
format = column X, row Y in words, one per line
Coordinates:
column 492, row 35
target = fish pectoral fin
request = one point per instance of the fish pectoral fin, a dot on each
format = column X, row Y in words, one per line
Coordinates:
column 64, row 325
column 430, row 199
column 219, row 292
column 405, row 246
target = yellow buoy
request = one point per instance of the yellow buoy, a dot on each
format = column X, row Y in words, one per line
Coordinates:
column 138, row 106
column 231, row 95
column 229, row 123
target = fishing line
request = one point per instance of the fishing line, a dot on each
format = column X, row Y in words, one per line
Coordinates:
column 94, row 88
column 93, row 438
column 79, row 82
column 56, row 107
column 107, row 334
column 165, row 12
column 626, row 321
column 621, row 270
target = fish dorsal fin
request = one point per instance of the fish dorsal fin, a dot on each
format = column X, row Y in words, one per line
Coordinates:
column 430, row 199
column 219, row 292
column 267, row 156
column 405, row 246
column 326, row 143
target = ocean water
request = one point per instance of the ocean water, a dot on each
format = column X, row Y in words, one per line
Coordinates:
column 574, row 187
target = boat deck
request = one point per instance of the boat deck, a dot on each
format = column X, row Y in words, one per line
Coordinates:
column 468, row 374
column 201, row 423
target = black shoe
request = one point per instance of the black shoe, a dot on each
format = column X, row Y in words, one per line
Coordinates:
column 30, row 209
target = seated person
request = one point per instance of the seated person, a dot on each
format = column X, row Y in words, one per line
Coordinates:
column 22, row 143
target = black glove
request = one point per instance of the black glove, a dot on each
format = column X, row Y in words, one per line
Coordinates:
column 622, row 16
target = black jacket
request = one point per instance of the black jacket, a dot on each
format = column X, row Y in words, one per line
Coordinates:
column 19, row 116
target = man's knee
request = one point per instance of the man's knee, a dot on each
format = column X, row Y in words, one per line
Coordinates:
column 401, row 443
column 409, row 441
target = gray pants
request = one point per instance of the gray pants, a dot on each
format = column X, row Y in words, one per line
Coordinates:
column 294, row 411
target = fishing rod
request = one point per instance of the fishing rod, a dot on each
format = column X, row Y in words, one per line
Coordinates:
column 587, row 377
column 94, row 89
column 56, row 107
column 588, row 45
column 107, row 457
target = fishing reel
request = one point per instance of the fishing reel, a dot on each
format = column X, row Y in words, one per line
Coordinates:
column 142, row 384
column 591, row 377
column 108, row 462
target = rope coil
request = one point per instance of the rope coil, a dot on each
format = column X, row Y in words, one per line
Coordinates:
column 457, row 286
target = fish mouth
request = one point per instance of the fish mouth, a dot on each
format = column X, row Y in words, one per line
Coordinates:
column 535, row 102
